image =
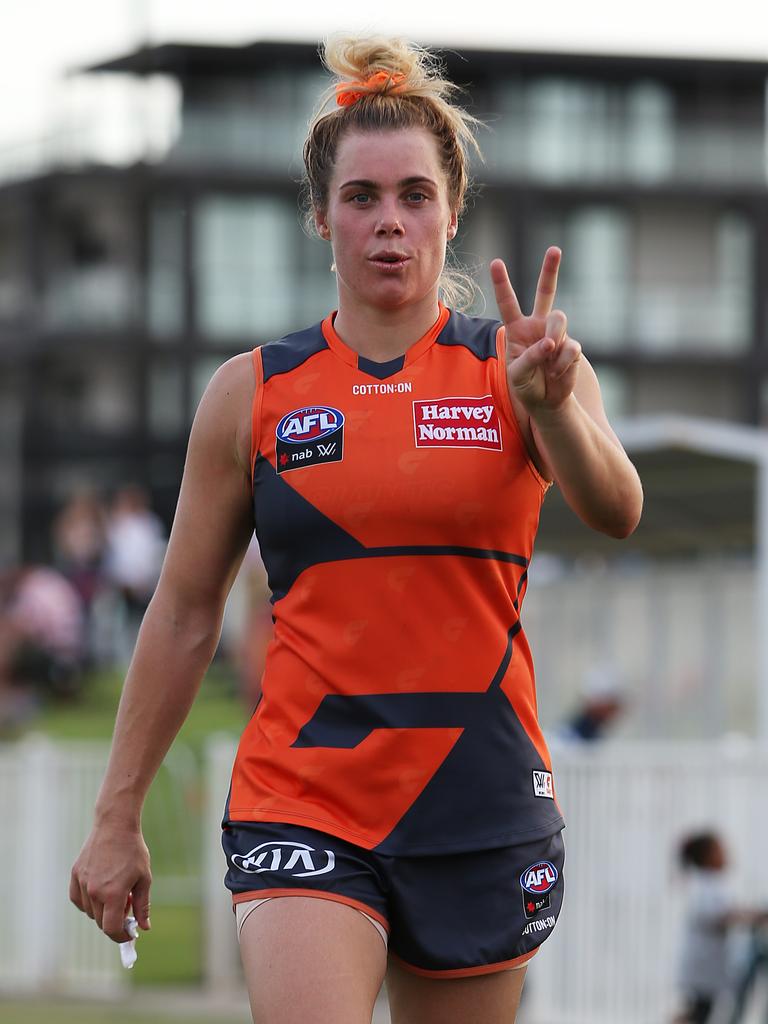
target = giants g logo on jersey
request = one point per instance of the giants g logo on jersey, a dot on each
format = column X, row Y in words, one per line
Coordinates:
column 308, row 437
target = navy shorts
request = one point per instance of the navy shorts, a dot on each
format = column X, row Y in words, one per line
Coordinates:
column 450, row 915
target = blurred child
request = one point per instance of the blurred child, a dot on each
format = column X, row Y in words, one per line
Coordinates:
column 710, row 914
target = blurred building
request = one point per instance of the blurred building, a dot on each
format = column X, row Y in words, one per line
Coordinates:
column 125, row 281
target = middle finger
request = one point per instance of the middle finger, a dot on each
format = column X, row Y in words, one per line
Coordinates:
column 547, row 283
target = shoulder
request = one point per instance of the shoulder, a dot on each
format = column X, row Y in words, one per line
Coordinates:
column 224, row 413
column 478, row 334
column 290, row 351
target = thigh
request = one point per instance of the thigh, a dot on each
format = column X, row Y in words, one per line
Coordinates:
column 308, row 959
column 480, row 999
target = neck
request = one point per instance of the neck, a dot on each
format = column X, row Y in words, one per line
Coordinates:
column 384, row 334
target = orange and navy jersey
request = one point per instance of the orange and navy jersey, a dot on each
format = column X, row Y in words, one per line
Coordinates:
column 396, row 507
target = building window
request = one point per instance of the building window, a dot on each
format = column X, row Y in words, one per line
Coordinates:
column 95, row 396
column 249, row 120
column 246, row 260
column 14, row 289
column 165, row 285
column 165, row 403
column 569, row 129
column 654, row 278
column 91, row 277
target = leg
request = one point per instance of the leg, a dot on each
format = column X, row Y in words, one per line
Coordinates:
column 481, row 999
column 311, row 961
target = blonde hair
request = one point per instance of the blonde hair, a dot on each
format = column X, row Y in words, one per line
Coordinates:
column 414, row 95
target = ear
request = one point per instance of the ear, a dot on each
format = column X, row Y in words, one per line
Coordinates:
column 453, row 225
column 322, row 225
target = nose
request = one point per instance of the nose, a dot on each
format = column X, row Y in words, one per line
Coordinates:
column 389, row 222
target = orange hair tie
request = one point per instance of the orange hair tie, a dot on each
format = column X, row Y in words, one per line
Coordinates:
column 348, row 93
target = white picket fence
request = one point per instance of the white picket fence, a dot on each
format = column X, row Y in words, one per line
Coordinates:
column 47, row 793
column 611, row 959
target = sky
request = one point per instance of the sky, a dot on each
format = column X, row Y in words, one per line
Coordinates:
column 40, row 40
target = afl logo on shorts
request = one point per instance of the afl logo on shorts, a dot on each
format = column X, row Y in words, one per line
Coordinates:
column 309, row 437
column 537, row 881
column 539, row 878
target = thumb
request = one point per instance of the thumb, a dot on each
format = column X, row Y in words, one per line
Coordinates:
column 522, row 367
column 140, row 901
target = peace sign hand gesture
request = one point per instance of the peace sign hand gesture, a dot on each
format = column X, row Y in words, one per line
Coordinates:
column 542, row 361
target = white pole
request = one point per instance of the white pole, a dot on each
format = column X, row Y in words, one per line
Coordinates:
column 761, row 595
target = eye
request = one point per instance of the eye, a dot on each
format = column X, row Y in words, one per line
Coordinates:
column 360, row 198
column 416, row 197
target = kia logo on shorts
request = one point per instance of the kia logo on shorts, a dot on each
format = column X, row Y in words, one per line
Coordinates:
column 539, row 877
column 286, row 858
column 309, row 424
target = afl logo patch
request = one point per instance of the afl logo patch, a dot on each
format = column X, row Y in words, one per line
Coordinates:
column 539, row 878
column 309, row 437
column 537, row 881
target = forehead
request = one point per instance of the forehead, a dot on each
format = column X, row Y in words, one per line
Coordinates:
column 387, row 156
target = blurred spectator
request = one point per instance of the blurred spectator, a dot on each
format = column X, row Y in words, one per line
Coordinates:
column 706, row 979
column 79, row 538
column 135, row 546
column 41, row 641
column 602, row 703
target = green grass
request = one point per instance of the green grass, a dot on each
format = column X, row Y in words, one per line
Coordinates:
column 66, row 1012
column 171, row 952
column 92, row 715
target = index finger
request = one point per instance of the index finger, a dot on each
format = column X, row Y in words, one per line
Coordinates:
column 506, row 299
column 547, row 283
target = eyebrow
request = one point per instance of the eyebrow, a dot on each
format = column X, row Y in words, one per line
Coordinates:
column 366, row 183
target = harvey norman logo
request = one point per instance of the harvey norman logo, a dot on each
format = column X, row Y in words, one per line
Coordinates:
column 457, row 423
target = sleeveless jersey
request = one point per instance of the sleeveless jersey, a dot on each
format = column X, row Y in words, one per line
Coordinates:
column 396, row 508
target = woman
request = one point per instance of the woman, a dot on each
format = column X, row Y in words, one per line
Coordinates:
column 393, row 787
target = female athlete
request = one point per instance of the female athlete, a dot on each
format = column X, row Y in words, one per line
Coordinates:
column 392, row 808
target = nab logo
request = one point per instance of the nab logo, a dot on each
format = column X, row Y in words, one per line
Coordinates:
column 309, row 437
column 286, row 858
column 309, row 424
column 539, row 878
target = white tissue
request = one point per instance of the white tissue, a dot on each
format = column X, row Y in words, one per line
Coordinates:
column 128, row 954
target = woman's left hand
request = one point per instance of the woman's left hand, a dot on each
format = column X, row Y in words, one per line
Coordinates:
column 542, row 360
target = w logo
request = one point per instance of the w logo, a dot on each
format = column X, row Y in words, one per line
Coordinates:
column 327, row 449
column 286, row 858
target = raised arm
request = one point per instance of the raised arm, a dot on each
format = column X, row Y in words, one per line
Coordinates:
column 557, row 397
column 178, row 637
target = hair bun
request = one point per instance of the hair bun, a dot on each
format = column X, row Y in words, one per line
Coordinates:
column 357, row 60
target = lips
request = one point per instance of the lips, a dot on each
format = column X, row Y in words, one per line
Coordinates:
column 389, row 259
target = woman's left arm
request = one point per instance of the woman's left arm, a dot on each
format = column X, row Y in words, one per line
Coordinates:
column 581, row 453
column 558, row 397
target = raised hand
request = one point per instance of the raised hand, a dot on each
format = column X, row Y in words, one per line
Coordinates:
column 542, row 360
